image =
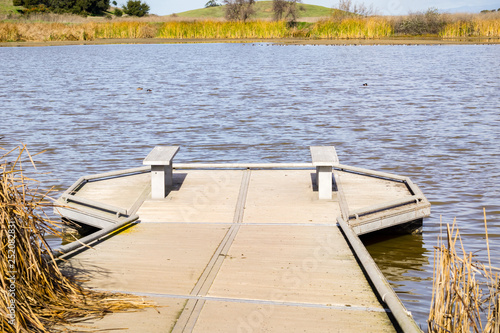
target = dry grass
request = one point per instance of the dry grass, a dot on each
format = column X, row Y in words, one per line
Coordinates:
column 466, row 293
column 223, row 30
column 352, row 27
column 52, row 27
column 35, row 296
column 479, row 25
column 448, row 25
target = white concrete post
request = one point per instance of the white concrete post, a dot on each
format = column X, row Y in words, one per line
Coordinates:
column 324, row 158
column 324, row 181
column 161, row 180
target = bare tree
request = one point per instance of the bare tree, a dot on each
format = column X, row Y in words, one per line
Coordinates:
column 349, row 8
column 286, row 9
column 345, row 5
column 239, row 10
column 279, row 7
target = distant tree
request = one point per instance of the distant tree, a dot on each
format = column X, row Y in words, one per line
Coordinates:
column 115, row 3
column 286, row 9
column 136, row 8
column 28, row 3
column 348, row 8
column 212, row 3
column 239, row 10
column 85, row 7
column 118, row 12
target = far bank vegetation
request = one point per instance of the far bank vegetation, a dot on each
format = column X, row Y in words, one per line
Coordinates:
column 346, row 20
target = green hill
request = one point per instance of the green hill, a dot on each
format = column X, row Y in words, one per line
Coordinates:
column 263, row 10
column 6, row 7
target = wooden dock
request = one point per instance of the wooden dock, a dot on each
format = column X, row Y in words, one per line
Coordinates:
column 241, row 248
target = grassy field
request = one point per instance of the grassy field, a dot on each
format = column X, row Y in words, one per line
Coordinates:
column 6, row 7
column 263, row 9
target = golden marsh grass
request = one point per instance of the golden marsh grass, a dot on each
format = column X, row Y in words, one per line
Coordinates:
column 352, row 27
column 466, row 292
column 68, row 28
column 472, row 28
column 223, row 30
column 35, row 296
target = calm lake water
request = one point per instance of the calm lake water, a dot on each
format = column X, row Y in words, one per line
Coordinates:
column 429, row 112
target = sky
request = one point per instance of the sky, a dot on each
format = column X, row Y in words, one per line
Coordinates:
column 387, row 7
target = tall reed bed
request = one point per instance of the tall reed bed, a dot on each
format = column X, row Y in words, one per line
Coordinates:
column 430, row 23
column 472, row 28
column 35, row 296
column 217, row 29
column 466, row 292
column 34, row 32
column 124, row 30
column 132, row 29
column 352, row 27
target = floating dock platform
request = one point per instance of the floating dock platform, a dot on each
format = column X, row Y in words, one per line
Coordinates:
column 242, row 247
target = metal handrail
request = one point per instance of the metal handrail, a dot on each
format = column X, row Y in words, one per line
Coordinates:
column 384, row 289
column 94, row 204
column 85, row 241
column 384, row 206
column 379, row 174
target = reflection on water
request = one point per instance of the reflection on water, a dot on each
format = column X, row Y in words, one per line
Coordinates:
column 405, row 262
column 427, row 112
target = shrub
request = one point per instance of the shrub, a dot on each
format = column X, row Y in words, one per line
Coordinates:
column 421, row 23
column 118, row 12
column 136, row 8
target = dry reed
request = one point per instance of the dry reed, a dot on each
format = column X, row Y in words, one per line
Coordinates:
column 352, row 27
column 466, row 292
column 217, row 29
column 50, row 27
column 35, row 296
column 487, row 26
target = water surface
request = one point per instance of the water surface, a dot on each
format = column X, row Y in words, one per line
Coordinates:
column 428, row 112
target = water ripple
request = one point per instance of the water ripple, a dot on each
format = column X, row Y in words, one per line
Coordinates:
column 430, row 113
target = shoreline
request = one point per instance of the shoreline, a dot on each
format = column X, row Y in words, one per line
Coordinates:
column 282, row 41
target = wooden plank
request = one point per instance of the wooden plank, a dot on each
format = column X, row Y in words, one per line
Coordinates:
column 243, row 241
column 248, row 317
column 287, row 196
column 324, row 156
column 161, row 155
column 191, row 312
